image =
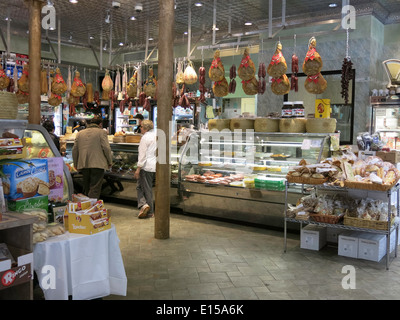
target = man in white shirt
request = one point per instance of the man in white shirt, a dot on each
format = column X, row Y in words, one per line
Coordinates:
column 146, row 169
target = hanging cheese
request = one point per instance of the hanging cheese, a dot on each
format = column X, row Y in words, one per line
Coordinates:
column 292, row 125
column 4, row 80
column 107, row 83
column 90, row 94
column 217, row 70
column 78, row 89
column 58, row 85
column 23, row 82
column 247, row 69
column 190, row 76
column 219, row 124
column 241, row 124
column 266, row 125
column 179, row 75
column 150, row 87
column 43, row 82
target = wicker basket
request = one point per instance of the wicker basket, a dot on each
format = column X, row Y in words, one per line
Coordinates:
column 368, row 186
column 8, row 105
column 133, row 138
column 369, row 224
column 119, row 139
column 326, row 218
column 292, row 179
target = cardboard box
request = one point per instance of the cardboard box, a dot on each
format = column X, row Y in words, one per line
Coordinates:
column 12, row 275
column 41, row 202
column 332, row 234
column 312, row 237
column 389, row 156
column 56, row 178
column 85, row 223
column 372, row 247
column 348, row 244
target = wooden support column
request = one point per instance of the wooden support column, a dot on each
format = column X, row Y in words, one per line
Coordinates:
column 35, row 41
column 164, row 116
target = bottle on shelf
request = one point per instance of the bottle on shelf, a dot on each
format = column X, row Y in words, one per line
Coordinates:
column 298, row 109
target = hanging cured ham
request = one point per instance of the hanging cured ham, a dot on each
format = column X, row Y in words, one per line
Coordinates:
column 250, row 87
column 277, row 67
column 78, row 89
column 216, row 71
column 281, row 85
column 23, row 82
column 4, row 80
column 312, row 62
column 315, row 84
column 150, row 86
column 54, row 100
column 58, row 86
column 247, row 69
column 221, row 88
column 131, row 88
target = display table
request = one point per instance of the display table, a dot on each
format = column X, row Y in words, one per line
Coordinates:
column 86, row 266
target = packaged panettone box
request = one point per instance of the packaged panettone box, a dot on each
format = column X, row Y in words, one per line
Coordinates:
column 26, row 179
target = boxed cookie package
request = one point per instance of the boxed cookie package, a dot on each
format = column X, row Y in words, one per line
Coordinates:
column 26, row 179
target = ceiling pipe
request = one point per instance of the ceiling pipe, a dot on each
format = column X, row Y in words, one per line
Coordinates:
column 270, row 19
column 214, row 21
column 283, row 13
column 59, row 41
column 189, row 28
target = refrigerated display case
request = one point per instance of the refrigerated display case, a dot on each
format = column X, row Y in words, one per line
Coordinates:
column 385, row 120
column 241, row 176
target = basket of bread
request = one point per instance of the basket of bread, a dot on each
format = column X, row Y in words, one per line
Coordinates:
column 371, row 173
column 119, row 136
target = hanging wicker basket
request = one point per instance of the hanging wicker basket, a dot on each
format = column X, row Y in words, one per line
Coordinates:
column 8, row 105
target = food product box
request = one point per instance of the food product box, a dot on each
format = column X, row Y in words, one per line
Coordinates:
column 313, row 237
column 373, row 246
column 11, row 273
column 39, row 202
column 332, row 234
column 56, row 178
column 12, row 148
column 88, row 223
column 389, row 156
column 26, row 179
column 348, row 244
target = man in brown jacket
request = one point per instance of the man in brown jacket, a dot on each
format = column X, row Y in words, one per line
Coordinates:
column 92, row 156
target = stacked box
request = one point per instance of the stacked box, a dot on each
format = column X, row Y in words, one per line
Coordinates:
column 313, row 237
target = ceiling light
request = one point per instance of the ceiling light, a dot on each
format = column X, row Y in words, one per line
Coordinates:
column 151, row 39
column 7, row 19
column 121, row 44
column 50, row 3
column 91, row 37
column 248, row 23
column 198, row 4
column 73, row 1
column 133, row 18
column 332, row 5
column 51, row 28
column 107, row 20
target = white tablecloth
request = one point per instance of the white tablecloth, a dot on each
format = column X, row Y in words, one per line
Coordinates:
column 86, row 266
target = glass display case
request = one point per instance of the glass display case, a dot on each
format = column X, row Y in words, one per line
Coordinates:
column 241, row 176
column 385, row 120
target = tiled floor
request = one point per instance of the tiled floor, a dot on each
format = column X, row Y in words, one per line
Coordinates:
column 209, row 260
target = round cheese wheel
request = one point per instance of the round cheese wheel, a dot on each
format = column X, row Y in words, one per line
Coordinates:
column 266, row 125
column 241, row 124
column 292, row 125
column 218, row 124
column 321, row 125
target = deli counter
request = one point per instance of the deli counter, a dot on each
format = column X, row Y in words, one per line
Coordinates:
column 242, row 176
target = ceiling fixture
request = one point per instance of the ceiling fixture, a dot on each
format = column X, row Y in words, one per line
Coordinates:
column 91, row 37
column 198, row 4
column 107, row 20
column 151, row 39
column 73, row 1
column 332, row 5
column 50, row 3
column 70, row 37
column 248, row 23
column 121, row 44
column 132, row 18
column 185, row 32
